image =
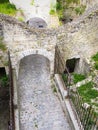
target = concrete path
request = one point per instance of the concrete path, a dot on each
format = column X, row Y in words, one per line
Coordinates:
column 39, row 107
column 36, row 8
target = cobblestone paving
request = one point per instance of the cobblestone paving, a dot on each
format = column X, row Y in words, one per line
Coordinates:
column 39, row 107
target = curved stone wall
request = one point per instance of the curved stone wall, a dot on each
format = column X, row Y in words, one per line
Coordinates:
column 42, row 52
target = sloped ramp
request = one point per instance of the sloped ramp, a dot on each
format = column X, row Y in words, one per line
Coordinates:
column 39, row 108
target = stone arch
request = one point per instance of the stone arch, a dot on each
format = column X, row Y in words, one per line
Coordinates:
column 49, row 55
column 37, row 22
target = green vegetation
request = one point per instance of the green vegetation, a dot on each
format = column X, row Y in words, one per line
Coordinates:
column 2, row 45
column 4, row 81
column 7, row 8
column 95, row 58
column 80, row 9
column 60, row 10
column 32, row 2
column 52, row 12
column 21, row 19
column 64, row 77
column 52, row 9
column 67, row 9
column 54, row 88
column 87, row 92
column 78, row 77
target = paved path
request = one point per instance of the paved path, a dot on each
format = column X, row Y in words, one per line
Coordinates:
column 39, row 107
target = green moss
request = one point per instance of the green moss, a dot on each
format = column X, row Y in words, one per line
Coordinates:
column 78, row 77
column 7, row 8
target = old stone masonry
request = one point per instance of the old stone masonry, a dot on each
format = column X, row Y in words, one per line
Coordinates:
column 35, row 61
column 39, row 107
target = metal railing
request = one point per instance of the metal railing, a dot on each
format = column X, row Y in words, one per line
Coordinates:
column 86, row 114
column 11, row 124
column 87, row 117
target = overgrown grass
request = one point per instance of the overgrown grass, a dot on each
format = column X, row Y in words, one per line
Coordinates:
column 78, row 77
column 87, row 92
column 7, row 8
column 95, row 58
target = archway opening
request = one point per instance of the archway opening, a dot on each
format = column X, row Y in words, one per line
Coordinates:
column 2, row 71
column 72, row 64
column 37, row 22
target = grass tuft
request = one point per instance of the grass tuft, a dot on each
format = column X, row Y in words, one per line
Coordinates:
column 78, row 77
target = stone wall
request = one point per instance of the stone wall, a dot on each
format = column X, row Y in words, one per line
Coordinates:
column 76, row 39
column 20, row 39
column 79, row 39
column 89, row 3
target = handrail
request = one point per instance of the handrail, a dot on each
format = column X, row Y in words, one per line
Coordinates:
column 11, row 124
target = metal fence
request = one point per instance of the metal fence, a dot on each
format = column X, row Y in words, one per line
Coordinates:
column 11, row 124
column 86, row 114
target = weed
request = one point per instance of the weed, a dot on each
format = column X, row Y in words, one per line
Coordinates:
column 87, row 92
column 78, row 77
